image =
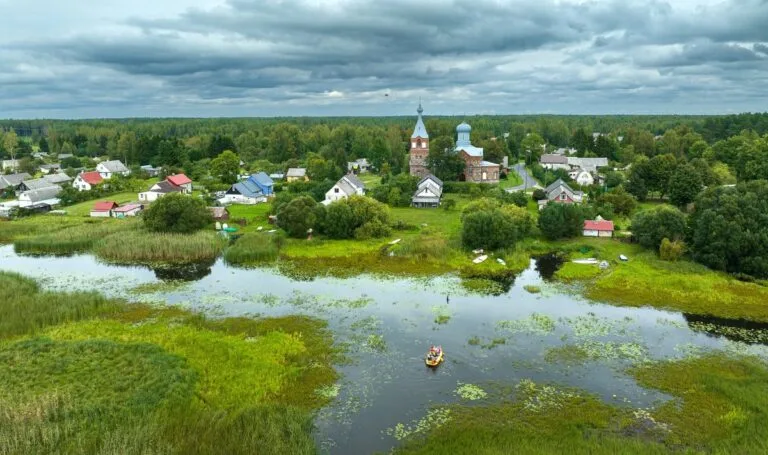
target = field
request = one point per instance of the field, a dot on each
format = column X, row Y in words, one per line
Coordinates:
column 84, row 208
column 93, row 375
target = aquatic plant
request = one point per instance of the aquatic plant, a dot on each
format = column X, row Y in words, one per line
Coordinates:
column 434, row 419
column 470, row 392
column 539, row 324
column 532, row 289
column 329, row 392
column 146, row 247
column 158, row 287
column 598, row 350
column 254, row 248
column 70, row 240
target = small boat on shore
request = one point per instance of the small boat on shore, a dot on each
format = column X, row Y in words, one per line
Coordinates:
column 435, row 356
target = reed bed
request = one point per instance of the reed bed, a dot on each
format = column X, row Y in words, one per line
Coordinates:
column 71, row 240
column 254, row 248
column 144, row 247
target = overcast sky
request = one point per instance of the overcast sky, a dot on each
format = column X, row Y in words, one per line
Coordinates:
column 203, row 58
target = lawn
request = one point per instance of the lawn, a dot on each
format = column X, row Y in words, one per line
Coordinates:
column 84, row 208
column 512, row 180
column 370, row 180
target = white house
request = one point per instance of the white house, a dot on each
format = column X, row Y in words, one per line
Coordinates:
column 159, row 190
column 428, row 192
column 127, row 210
column 347, row 186
column 296, row 174
column 85, row 181
column 582, row 177
column 109, row 168
column 359, row 166
column 182, row 181
column 10, row 164
column 103, row 209
column 48, row 168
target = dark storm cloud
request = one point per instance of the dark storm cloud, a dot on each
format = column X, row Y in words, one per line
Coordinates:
column 465, row 54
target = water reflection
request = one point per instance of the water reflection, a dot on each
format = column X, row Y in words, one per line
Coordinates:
column 185, row 272
column 548, row 264
column 742, row 330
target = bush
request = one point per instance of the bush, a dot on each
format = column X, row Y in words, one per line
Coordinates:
column 448, row 204
column 466, row 187
column 178, row 214
column 621, row 201
column 492, row 228
column 343, row 218
column 481, row 205
column 671, row 251
column 650, row 227
column 519, row 198
column 538, row 195
column 298, row 216
column 558, row 221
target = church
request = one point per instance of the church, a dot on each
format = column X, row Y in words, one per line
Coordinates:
column 476, row 169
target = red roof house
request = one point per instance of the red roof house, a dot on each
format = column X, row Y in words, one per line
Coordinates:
column 93, row 178
column 181, row 181
column 104, row 208
column 598, row 228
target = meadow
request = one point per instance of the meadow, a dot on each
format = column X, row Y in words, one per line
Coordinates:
column 85, row 374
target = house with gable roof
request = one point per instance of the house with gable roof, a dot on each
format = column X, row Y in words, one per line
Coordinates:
column 109, row 168
column 347, row 186
column 255, row 189
column 85, row 181
column 182, row 181
column 560, row 193
column 428, row 192
column 103, row 209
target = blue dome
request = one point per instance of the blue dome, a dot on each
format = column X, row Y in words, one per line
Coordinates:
column 463, row 128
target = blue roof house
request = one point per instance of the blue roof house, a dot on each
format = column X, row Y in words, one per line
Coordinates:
column 263, row 182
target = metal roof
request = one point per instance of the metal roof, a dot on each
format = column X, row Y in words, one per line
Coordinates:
column 420, row 130
column 262, row 179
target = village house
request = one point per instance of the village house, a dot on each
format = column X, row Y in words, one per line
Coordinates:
column 255, row 189
column 428, row 192
column 360, row 166
column 12, row 182
column 560, row 193
column 109, row 168
column 151, row 171
column 57, row 178
column 127, row 210
column 44, row 195
column 103, row 209
column 64, row 156
column 554, row 161
column 598, row 228
column 44, row 182
column 182, row 181
column 582, row 177
column 296, row 174
column 159, row 190
column 85, row 181
column 48, row 168
column 587, row 164
column 277, row 176
column 347, row 186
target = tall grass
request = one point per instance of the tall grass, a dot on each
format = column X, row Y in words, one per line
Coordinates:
column 24, row 308
column 16, row 229
column 75, row 239
column 254, row 248
column 147, row 247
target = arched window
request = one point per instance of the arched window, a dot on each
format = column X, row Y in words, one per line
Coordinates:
column 418, row 143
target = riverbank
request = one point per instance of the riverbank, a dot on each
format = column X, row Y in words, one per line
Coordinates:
column 101, row 375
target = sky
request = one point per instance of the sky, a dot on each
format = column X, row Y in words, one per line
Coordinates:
column 243, row 58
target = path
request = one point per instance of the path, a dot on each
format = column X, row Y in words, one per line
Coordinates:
column 528, row 180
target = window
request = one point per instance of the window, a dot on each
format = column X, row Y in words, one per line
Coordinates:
column 423, row 145
column 485, row 175
column 563, row 196
column 335, row 190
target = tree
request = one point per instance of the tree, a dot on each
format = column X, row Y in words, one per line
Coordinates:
column 126, row 147
column 226, row 167
column 684, row 185
column 728, row 229
column 660, row 170
column 220, row 143
column 606, row 146
column 532, row 145
column 444, row 163
column 43, row 144
column 490, row 229
column 177, row 213
column 557, row 221
column 494, row 150
column 582, row 141
column 650, row 227
column 10, row 143
column 538, row 195
column 298, row 216
column 613, row 179
column 622, row 202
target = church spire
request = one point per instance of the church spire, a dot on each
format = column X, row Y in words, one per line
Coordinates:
column 420, row 130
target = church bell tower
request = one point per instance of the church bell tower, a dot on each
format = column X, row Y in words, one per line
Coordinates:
column 419, row 147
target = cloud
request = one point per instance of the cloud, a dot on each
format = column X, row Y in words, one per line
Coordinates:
column 338, row 57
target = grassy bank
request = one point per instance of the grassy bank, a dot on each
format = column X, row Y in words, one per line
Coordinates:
column 254, row 248
column 141, row 246
column 91, row 375
column 719, row 406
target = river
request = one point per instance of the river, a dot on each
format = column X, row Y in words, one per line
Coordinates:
column 390, row 322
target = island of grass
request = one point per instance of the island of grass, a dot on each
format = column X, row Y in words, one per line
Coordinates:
column 85, row 374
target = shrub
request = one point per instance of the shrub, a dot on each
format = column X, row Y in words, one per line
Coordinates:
column 538, row 195
column 178, row 214
column 343, row 218
column 671, row 251
column 254, row 247
column 491, row 228
column 150, row 248
column 650, row 227
column 372, row 229
column 448, row 204
column 480, row 205
column 298, row 216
